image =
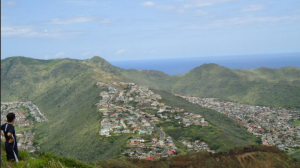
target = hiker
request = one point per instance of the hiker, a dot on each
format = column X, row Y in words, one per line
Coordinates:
column 11, row 147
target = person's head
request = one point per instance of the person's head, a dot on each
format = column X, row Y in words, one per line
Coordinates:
column 10, row 117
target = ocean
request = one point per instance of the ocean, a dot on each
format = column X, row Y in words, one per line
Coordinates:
column 176, row 66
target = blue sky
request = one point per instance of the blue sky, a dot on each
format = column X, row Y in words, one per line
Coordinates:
column 138, row 29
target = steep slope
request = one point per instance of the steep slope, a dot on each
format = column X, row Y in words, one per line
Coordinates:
column 65, row 91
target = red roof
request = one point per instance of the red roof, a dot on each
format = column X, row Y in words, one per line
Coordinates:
column 170, row 153
column 149, row 158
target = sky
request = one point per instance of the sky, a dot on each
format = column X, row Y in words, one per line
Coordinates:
column 140, row 29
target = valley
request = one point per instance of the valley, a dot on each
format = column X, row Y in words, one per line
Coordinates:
column 113, row 110
column 273, row 125
column 27, row 114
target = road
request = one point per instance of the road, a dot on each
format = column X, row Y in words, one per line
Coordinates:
column 123, row 124
column 112, row 98
column 161, row 138
column 196, row 146
column 162, row 133
column 270, row 140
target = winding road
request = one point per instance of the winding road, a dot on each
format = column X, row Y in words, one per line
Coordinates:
column 161, row 138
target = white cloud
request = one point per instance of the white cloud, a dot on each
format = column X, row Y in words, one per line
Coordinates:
column 81, row 2
column 15, row 31
column 8, row 3
column 203, row 3
column 181, row 11
column 241, row 21
column 200, row 12
column 167, row 7
column 60, row 54
column 28, row 31
column 72, row 19
column 121, row 51
column 253, row 8
column 86, row 53
column 106, row 20
column 148, row 3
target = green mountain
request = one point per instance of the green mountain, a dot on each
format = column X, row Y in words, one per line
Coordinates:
column 263, row 86
column 65, row 91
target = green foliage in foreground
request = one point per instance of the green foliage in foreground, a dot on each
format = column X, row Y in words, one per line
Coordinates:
column 42, row 160
column 250, row 156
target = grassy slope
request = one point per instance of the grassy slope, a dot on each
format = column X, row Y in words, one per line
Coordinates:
column 65, row 91
column 223, row 134
column 45, row 160
column 263, row 86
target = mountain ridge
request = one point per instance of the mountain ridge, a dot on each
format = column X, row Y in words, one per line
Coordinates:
column 65, row 90
column 278, row 87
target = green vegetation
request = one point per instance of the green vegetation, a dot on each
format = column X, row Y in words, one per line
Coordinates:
column 42, row 160
column 24, row 128
column 296, row 123
column 65, row 91
column 263, row 86
column 295, row 154
column 250, row 156
column 222, row 134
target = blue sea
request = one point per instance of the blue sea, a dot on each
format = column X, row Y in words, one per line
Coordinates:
column 176, row 66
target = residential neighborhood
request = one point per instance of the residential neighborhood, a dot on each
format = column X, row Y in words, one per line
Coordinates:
column 197, row 145
column 27, row 114
column 130, row 108
column 273, row 125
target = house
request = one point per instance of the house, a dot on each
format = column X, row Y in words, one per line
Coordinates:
column 126, row 131
column 149, row 159
column 177, row 117
column 155, row 103
column 204, row 124
column 142, row 132
column 104, row 131
column 117, row 131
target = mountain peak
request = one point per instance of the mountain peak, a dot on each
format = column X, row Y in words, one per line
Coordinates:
column 208, row 67
column 98, row 59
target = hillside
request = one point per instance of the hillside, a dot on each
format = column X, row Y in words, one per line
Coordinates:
column 246, row 157
column 65, row 91
column 45, row 160
column 263, row 86
column 250, row 156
